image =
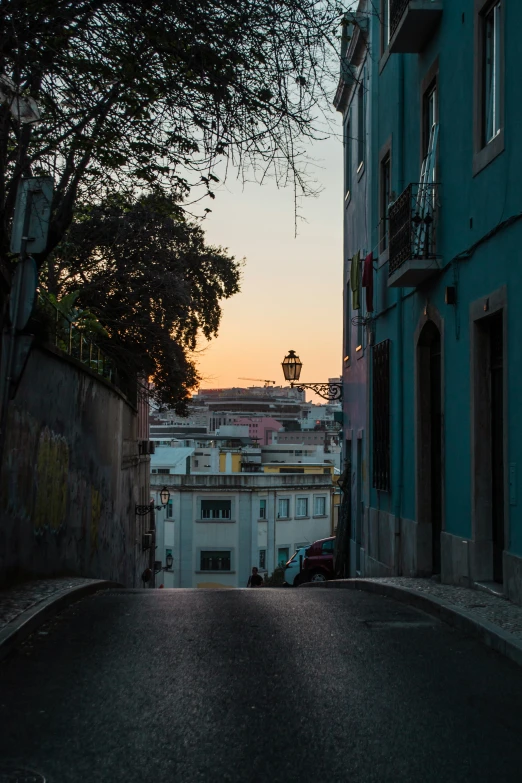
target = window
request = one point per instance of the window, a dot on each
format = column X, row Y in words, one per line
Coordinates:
column 283, row 508
column 262, row 559
column 164, row 471
column 301, row 508
column 216, row 509
column 319, row 506
column 385, row 26
column 348, row 158
column 328, row 547
column 262, row 509
column 385, row 190
column 430, row 119
column 196, row 463
column 215, row 560
column 361, row 124
column 283, row 554
column 381, row 415
column 360, row 316
column 348, row 324
column 488, row 129
column 169, row 512
column 492, row 67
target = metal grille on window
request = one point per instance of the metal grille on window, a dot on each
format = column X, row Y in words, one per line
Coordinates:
column 215, row 509
column 215, row 561
column 381, row 415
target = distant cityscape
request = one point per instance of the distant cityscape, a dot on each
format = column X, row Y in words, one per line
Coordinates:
column 252, row 475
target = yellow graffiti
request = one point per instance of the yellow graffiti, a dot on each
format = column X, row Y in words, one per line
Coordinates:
column 52, row 470
column 95, row 518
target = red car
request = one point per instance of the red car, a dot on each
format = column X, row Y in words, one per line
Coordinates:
column 318, row 562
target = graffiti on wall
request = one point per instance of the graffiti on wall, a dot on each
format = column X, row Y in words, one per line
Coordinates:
column 51, row 482
column 96, row 508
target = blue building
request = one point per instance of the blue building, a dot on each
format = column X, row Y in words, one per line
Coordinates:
column 433, row 201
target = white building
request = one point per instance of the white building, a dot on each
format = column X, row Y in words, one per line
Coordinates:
column 216, row 527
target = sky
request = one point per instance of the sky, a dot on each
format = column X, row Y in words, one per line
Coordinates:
column 291, row 291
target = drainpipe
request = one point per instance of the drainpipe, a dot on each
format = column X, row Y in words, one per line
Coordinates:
column 398, row 489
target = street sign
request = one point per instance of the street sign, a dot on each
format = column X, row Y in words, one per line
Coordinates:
column 35, row 194
column 21, row 350
column 25, row 281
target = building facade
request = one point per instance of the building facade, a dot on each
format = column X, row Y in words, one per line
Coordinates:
column 439, row 473
column 217, row 527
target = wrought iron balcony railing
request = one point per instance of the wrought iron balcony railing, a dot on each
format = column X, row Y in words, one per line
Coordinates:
column 413, row 224
column 413, row 23
column 397, row 8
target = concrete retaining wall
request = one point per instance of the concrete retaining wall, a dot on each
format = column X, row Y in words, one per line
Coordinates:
column 71, row 476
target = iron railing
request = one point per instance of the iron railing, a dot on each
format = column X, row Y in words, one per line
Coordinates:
column 412, row 225
column 75, row 339
column 397, row 9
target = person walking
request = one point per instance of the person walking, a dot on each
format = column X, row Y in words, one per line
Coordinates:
column 255, row 579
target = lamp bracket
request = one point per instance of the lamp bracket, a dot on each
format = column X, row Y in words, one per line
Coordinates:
column 328, row 391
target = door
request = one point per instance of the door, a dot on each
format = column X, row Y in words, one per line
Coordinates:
column 436, row 450
column 429, row 443
column 496, row 344
column 359, row 500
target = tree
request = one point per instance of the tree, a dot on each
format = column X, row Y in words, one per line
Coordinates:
column 150, row 95
column 147, row 275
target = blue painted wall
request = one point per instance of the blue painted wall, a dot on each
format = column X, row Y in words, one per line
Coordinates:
column 486, row 199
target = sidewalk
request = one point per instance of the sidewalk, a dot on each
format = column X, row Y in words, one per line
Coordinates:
column 494, row 619
column 25, row 607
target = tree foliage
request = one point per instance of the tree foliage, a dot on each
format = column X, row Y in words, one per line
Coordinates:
column 147, row 275
column 150, row 95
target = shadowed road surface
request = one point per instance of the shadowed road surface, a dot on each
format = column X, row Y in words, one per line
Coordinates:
column 258, row 685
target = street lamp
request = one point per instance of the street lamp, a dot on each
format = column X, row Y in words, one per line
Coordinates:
column 169, row 561
column 141, row 511
column 149, row 538
column 292, row 366
column 164, row 496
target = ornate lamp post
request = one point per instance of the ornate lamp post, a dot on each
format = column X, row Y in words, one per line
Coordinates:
column 150, row 573
column 292, row 366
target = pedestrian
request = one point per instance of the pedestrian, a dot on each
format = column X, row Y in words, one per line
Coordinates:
column 255, row 579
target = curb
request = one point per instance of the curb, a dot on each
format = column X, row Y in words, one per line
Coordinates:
column 26, row 623
column 493, row 636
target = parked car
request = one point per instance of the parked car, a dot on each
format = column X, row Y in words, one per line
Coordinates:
column 318, row 561
column 294, row 566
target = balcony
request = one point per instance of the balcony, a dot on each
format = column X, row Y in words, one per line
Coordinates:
column 412, row 24
column 413, row 228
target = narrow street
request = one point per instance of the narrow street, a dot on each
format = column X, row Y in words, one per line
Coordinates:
column 259, row 685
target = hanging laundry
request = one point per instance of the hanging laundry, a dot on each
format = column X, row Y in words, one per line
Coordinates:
column 367, row 281
column 355, row 281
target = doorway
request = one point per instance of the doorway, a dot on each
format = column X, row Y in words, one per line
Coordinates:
column 429, row 439
column 489, row 436
column 359, row 508
column 496, row 385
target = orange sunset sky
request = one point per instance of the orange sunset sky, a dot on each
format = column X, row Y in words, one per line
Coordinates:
column 291, row 295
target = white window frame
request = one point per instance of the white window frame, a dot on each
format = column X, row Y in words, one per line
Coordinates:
column 283, row 500
column 220, row 512
column 324, row 511
column 201, row 570
column 298, row 501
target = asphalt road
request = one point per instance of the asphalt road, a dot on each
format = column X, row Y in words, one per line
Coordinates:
column 258, row 685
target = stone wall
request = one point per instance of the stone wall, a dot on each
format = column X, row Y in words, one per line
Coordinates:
column 70, row 477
